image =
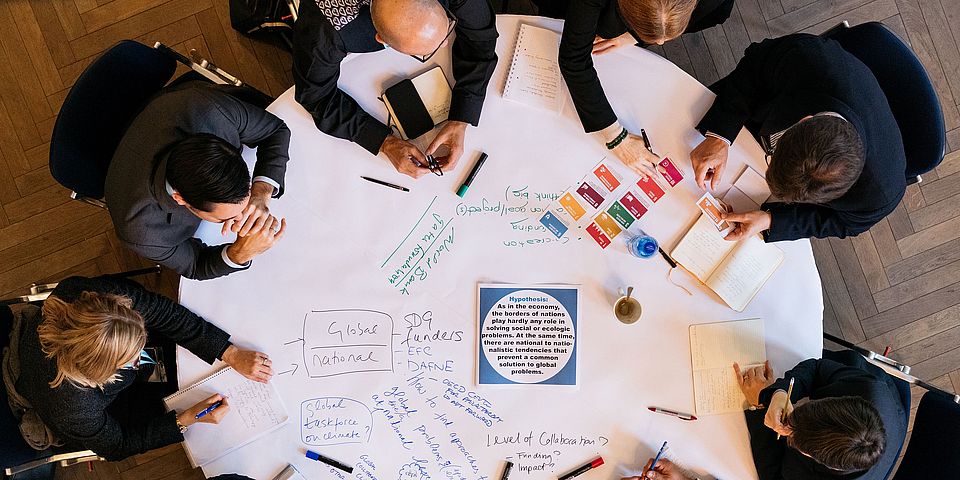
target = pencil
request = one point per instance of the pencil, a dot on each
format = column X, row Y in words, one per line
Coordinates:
column 785, row 403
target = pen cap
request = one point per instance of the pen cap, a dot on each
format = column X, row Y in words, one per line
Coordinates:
column 313, row 455
column 462, row 190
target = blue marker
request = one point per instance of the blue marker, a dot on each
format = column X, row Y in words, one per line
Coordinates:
column 657, row 458
column 209, row 409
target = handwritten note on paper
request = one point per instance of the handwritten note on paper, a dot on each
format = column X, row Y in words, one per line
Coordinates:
column 424, row 247
column 534, row 78
column 252, row 402
column 743, row 273
column 714, row 348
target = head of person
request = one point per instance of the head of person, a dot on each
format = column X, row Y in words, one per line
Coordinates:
column 208, row 177
column 842, row 433
column 415, row 27
column 816, row 161
column 656, row 22
column 91, row 337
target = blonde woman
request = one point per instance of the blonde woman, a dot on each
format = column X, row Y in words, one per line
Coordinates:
column 78, row 358
column 598, row 26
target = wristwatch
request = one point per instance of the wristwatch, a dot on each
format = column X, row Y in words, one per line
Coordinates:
column 182, row 427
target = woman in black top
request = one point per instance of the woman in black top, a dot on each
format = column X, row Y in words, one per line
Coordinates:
column 80, row 353
column 597, row 26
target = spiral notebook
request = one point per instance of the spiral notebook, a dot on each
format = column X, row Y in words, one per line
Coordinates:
column 255, row 411
column 534, row 78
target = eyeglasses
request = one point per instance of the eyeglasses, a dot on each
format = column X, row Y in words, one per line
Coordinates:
column 450, row 28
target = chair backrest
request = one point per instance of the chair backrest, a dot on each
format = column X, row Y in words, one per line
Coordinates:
column 908, row 89
column 102, row 103
column 13, row 449
column 934, row 442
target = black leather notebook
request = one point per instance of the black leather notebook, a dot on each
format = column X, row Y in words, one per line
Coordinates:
column 417, row 105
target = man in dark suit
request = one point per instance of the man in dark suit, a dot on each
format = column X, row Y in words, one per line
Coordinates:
column 851, row 426
column 834, row 148
column 328, row 30
column 179, row 163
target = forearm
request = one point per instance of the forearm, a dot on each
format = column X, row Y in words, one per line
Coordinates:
column 474, row 58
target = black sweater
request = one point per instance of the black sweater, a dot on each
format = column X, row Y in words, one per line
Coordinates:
column 318, row 49
column 818, row 379
column 79, row 415
column 586, row 19
column 778, row 82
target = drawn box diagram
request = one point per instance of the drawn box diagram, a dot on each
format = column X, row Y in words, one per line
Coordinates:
column 338, row 342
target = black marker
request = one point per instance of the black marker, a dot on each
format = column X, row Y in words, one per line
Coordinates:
column 385, row 184
column 473, row 173
column 646, row 141
column 506, row 471
column 666, row 257
column 329, row 461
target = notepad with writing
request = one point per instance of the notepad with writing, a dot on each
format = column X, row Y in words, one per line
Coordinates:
column 534, row 78
column 714, row 348
column 418, row 104
column 255, row 411
column 735, row 271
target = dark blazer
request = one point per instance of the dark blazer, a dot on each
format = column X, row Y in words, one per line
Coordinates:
column 146, row 218
column 778, row 82
column 819, row 379
column 586, row 19
column 79, row 415
column 318, row 49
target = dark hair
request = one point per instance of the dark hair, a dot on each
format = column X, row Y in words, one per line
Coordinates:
column 205, row 169
column 816, row 160
column 843, row 433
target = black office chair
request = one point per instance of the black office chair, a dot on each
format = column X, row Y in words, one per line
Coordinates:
column 908, row 89
column 103, row 102
column 934, row 442
column 15, row 455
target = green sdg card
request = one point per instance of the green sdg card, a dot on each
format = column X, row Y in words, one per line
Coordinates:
column 621, row 215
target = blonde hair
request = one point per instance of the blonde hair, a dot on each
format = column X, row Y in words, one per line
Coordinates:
column 90, row 337
column 654, row 21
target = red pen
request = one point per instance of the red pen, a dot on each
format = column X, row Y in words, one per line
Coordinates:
column 682, row 416
column 582, row 469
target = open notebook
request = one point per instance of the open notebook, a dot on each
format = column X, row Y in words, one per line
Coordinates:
column 534, row 78
column 255, row 410
column 736, row 271
column 714, row 347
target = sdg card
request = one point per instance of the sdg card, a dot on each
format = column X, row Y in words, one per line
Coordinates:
column 608, row 177
column 713, row 209
column 651, row 188
column 670, row 172
column 554, row 224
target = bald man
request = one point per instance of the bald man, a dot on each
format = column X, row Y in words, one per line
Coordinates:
column 328, row 30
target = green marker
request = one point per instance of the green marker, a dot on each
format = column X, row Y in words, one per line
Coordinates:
column 473, row 173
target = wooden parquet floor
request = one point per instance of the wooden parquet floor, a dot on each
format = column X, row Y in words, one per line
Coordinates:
column 897, row 285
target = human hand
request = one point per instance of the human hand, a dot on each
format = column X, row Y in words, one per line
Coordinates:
column 709, row 159
column 256, row 213
column 747, row 224
column 245, row 248
column 450, row 136
column 754, row 380
column 405, row 157
column 665, row 470
column 604, row 45
column 189, row 416
column 634, row 154
column 776, row 411
column 254, row 365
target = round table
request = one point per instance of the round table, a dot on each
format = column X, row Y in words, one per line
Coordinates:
column 345, row 237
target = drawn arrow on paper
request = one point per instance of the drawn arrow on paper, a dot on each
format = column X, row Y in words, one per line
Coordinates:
column 295, row 367
column 605, row 440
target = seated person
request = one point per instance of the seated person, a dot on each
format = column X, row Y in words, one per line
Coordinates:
column 179, row 163
column 851, row 425
column 835, row 155
column 598, row 26
column 665, row 470
column 78, row 358
column 328, row 30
